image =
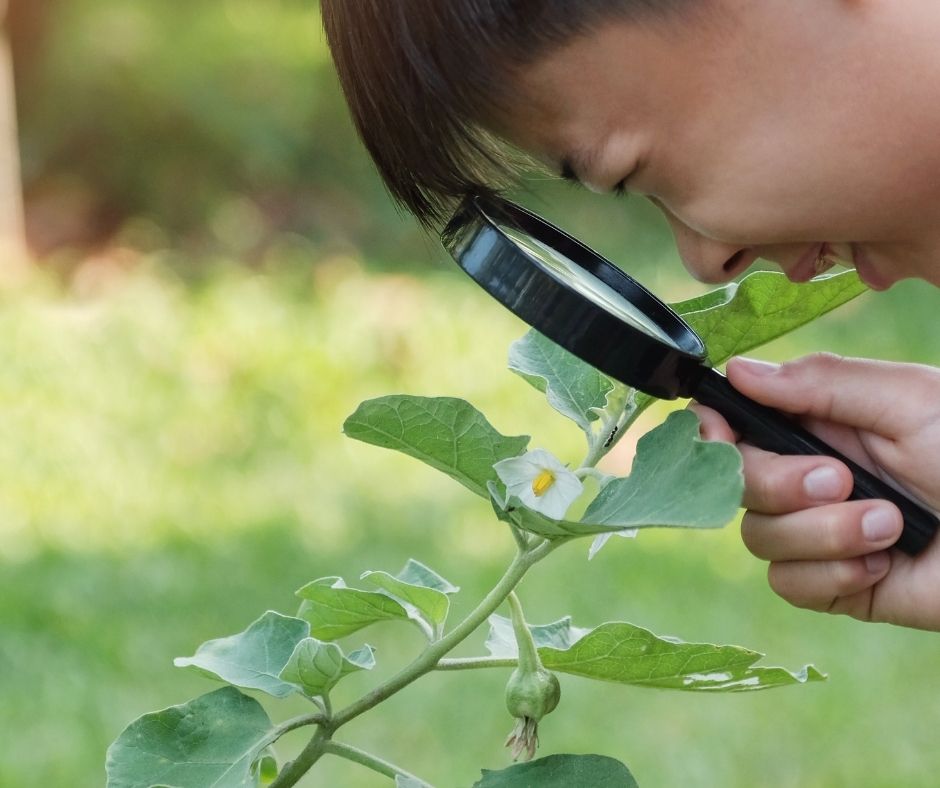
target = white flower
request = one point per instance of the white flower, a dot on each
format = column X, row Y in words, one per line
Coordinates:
column 540, row 481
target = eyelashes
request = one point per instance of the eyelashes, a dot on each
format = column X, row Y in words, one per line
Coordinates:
column 619, row 189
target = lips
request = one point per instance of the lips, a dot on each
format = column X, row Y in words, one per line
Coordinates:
column 867, row 272
column 820, row 257
column 807, row 266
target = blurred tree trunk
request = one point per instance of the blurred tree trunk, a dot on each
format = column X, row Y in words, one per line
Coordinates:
column 13, row 253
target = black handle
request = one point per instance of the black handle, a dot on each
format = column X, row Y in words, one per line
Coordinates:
column 769, row 429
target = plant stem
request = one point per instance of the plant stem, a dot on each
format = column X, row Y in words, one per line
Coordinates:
column 297, row 722
column 470, row 663
column 613, row 429
column 523, row 561
column 297, row 768
column 528, row 656
column 363, row 758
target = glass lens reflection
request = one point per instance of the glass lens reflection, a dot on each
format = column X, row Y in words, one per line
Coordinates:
column 580, row 280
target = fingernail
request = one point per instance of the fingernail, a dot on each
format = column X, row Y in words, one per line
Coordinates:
column 823, row 484
column 879, row 524
column 877, row 563
column 755, row 366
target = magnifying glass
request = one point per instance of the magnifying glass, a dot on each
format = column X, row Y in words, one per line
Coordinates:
column 584, row 303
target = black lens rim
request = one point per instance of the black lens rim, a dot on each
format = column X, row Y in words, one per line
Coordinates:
column 474, row 239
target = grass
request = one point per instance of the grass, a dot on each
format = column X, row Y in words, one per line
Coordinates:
column 172, row 466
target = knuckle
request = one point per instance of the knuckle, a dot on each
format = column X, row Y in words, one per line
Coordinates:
column 846, row 576
column 837, row 532
column 821, row 362
column 778, row 577
column 750, row 533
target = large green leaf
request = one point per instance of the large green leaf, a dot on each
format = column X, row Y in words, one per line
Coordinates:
column 561, row 771
column 573, row 388
column 446, row 433
column 761, row 307
column 677, row 480
column 214, row 741
column 316, row 665
column 252, row 659
column 418, row 587
column 334, row 610
column 629, row 654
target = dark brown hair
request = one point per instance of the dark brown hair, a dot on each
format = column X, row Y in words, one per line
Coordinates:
column 421, row 77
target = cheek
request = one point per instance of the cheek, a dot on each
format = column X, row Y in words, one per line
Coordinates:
column 783, row 193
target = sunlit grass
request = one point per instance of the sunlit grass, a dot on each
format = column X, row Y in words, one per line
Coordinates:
column 172, row 466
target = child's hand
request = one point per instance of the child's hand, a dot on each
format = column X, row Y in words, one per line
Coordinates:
column 826, row 553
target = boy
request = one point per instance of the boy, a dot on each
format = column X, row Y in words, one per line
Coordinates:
column 797, row 131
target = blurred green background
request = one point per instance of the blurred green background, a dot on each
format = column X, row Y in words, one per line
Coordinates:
column 219, row 280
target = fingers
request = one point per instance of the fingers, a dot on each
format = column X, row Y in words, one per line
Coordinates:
column 828, row 558
column 778, row 484
column 833, row 532
column 857, row 392
column 831, row 586
column 713, row 426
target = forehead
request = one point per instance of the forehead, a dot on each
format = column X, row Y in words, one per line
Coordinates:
column 616, row 79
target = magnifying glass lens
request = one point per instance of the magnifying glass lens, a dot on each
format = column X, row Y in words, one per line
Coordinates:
column 581, row 281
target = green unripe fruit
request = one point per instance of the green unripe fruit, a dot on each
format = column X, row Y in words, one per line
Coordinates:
column 532, row 693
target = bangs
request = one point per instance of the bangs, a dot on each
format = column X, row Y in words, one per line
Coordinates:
column 421, row 77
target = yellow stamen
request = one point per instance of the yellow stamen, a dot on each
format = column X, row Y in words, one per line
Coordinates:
column 542, row 482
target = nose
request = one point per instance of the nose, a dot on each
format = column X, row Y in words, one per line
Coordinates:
column 706, row 259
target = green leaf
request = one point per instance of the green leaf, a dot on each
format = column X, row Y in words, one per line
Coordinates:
column 561, row 771
column 316, row 665
column 448, row 434
column 501, row 642
column 251, row 659
column 214, row 740
column 417, row 587
column 573, row 388
column 678, row 480
column 334, row 610
column 627, row 654
column 761, row 307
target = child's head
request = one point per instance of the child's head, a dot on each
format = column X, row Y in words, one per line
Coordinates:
column 760, row 129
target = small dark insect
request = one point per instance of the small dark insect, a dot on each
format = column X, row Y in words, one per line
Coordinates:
column 611, row 438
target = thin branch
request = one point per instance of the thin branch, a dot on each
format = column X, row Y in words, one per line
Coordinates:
column 471, row 663
column 297, row 722
column 363, row 758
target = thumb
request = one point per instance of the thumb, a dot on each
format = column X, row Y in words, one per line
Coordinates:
column 882, row 397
